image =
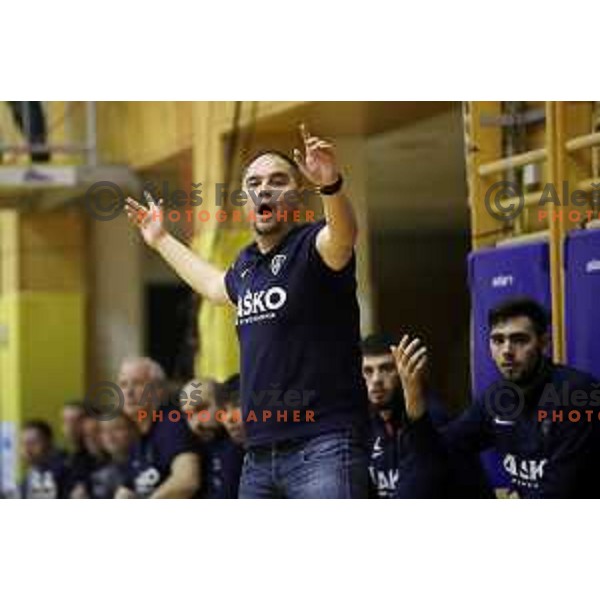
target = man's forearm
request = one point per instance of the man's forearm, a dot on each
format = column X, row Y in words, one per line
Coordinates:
column 184, row 479
column 335, row 242
column 204, row 278
column 173, row 488
column 341, row 220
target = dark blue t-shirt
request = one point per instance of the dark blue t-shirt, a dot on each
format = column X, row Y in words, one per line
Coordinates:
column 150, row 459
column 221, row 468
column 81, row 466
column 298, row 326
column 106, row 479
column 49, row 480
column 396, row 471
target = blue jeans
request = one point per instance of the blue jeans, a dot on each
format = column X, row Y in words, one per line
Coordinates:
column 330, row 465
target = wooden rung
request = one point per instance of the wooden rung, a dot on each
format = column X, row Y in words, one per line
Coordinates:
column 583, row 141
column 530, row 199
column 517, row 160
column 587, row 185
column 526, row 238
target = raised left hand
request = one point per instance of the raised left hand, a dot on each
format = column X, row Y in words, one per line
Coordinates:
column 411, row 361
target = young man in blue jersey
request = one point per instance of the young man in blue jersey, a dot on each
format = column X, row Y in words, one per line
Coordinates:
column 544, row 455
column 395, row 471
column 47, row 475
column 303, row 397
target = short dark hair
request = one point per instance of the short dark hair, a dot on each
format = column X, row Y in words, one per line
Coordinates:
column 290, row 161
column 41, row 426
column 229, row 392
column 522, row 306
column 377, row 344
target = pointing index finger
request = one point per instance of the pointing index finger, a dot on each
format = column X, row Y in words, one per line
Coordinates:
column 305, row 135
column 149, row 199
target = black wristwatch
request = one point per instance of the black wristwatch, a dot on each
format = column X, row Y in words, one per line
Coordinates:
column 332, row 188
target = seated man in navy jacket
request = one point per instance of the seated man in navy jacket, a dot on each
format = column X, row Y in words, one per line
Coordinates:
column 542, row 418
column 395, row 471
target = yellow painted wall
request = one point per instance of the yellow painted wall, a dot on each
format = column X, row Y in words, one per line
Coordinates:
column 42, row 315
column 52, row 352
column 10, row 390
column 42, row 364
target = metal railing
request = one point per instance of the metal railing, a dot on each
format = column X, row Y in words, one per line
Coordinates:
column 32, row 122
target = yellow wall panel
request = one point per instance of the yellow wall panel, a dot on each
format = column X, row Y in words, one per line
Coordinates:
column 52, row 353
column 10, row 390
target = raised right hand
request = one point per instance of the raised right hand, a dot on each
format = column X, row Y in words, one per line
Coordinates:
column 148, row 220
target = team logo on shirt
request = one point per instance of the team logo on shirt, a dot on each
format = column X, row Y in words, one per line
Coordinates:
column 146, row 481
column 385, row 481
column 258, row 306
column 377, row 449
column 42, row 485
column 277, row 263
column 524, row 472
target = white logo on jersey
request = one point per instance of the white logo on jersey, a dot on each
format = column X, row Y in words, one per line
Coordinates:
column 277, row 263
column 377, row 449
column 42, row 485
column 263, row 304
column 385, row 482
column 146, row 481
column 525, row 471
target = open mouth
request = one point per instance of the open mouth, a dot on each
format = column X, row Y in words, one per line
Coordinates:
column 265, row 211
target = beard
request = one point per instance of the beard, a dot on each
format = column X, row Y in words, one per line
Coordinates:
column 268, row 227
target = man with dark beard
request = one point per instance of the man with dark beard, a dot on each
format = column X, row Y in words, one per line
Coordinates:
column 535, row 415
column 395, row 471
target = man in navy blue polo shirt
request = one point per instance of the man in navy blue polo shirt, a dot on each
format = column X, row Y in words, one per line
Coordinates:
column 304, row 401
